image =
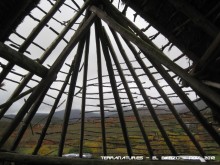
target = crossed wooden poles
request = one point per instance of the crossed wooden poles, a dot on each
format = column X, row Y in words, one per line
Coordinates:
column 118, row 24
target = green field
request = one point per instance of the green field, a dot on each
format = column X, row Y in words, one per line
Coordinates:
column 114, row 139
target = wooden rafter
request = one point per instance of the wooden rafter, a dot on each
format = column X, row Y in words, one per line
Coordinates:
column 23, row 61
column 159, row 56
column 196, row 17
column 31, row 37
column 127, row 94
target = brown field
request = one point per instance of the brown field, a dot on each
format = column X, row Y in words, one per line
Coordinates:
column 114, row 139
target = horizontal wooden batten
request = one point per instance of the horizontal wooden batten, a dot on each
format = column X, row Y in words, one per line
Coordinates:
column 34, row 160
column 21, row 60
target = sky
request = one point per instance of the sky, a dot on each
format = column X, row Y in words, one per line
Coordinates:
column 46, row 37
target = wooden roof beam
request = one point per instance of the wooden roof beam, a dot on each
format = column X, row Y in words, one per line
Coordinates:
column 32, row 36
column 167, row 33
column 30, row 159
column 196, row 17
column 127, row 88
column 115, row 92
column 157, row 55
column 101, row 85
column 208, row 57
column 21, row 60
column 44, row 56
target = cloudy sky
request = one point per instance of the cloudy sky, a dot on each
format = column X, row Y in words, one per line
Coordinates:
column 46, row 37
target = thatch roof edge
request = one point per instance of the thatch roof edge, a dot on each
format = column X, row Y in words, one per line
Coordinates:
column 12, row 14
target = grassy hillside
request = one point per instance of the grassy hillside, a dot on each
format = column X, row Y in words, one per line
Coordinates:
column 115, row 141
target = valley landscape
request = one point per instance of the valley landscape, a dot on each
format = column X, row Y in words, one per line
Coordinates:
column 114, row 139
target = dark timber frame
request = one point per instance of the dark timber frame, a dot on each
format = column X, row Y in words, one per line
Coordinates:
column 125, row 34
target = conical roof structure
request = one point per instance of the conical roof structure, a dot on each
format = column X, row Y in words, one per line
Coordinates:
column 98, row 78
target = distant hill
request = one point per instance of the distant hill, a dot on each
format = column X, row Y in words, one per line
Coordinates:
column 59, row 115
column 76, row 113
